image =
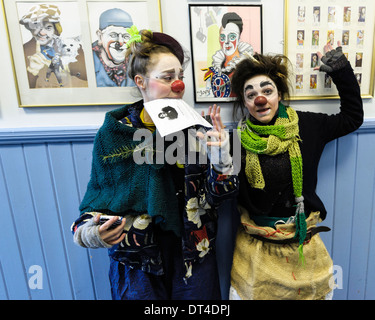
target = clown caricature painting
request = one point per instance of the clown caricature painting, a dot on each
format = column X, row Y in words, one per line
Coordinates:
column 221, row 35
column 110, row 29
column 110, row 48
column 52, row 45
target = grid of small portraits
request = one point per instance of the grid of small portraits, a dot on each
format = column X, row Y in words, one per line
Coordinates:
column 318, row 23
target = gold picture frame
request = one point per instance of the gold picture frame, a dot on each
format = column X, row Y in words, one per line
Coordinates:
column 75, row 59
column 310, row 24
column 214, row 54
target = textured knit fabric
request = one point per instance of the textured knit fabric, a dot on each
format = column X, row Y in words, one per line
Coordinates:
column 123, row 187
column 315, row 131
column 184, row 201
column 88, row 236
column 273, row 140
column 265, row 270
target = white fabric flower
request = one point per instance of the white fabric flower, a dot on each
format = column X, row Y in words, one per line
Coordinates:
column 203, row 246
column 194, row 211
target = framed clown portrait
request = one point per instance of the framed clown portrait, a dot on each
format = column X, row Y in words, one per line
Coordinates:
column 310, row 25
column 72, row 52
column 220, row 35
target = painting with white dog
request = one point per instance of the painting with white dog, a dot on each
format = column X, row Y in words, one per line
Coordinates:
column 73, row 53
column 52, row 45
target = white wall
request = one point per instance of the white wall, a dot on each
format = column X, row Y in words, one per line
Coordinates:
column 175, row 19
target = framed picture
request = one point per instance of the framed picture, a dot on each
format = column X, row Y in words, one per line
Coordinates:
column 72, row 52
column 310, row 25
column 220, row 35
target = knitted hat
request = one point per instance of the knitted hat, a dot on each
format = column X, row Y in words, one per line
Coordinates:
column 115, row 17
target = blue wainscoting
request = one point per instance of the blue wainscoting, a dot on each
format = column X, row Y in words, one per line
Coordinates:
column 43, row 177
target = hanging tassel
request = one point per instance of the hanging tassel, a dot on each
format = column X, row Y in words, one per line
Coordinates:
column 301, row 228
column 301, row 258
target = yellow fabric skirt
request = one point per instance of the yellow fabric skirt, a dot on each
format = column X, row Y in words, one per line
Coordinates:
column 268, row 271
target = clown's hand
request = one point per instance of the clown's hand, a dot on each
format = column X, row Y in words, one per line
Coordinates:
column 94, row 235
column 36, row 63
column 216, row 142
column 334, row 59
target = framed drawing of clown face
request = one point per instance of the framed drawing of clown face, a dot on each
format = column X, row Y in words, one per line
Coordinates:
column 72, row 52
column 220, row 36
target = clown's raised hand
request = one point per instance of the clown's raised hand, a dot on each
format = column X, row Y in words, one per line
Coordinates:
column 333, row 60
column 216, row 141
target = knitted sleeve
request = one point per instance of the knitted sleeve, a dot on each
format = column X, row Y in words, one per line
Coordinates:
column 87, row 234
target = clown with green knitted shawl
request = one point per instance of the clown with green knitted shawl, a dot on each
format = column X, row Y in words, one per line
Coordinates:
column 278, row 252
column 271, row 140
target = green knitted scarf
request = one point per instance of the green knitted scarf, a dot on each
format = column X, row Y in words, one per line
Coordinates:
column 272, row 140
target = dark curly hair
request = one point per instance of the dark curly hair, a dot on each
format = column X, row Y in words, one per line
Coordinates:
column 276, row 67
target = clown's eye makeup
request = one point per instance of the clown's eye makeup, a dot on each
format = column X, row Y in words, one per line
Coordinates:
column 251, row 93
column 115, row 35
column 268, row 91
column 169, row 77
column 232, row 36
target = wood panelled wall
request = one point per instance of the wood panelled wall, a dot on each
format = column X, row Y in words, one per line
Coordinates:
column 43, row 177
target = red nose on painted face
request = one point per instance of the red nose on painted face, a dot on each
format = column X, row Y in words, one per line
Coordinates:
column 260, row 101
column 177, row 86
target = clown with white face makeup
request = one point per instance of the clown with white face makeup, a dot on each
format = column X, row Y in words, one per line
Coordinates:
column 229, row 38
column 110, row 49
column 232, row 48
column 279, row 253
column 261, row 98
column 170, row 254
column 113, row 40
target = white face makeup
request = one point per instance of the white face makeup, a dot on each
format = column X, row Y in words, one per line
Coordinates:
column 229, row 38
column 114, row 39
column 161, row 75
column 261, row 98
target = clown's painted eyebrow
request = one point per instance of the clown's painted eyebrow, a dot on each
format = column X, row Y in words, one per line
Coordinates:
column 172, row 71
column 266, row 83
column 262, row 84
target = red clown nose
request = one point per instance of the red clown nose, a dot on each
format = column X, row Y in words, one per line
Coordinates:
column 260, row 101
column 178, row 86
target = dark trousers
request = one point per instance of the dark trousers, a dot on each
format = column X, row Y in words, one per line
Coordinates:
column 133, row 284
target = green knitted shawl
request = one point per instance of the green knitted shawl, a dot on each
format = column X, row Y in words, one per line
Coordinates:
column 123, row 187
column 271, row 140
